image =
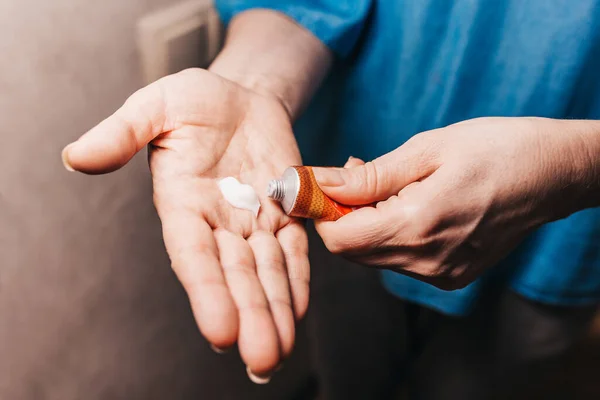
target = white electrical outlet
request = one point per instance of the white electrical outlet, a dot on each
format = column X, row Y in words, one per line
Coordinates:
column 188, row 34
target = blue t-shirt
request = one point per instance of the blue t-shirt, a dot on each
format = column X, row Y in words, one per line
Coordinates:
column 406, row 66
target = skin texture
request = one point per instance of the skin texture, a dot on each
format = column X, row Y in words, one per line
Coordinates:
column 454, row 201
column 246, row 278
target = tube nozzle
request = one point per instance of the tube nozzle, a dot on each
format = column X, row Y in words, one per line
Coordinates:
column 276, row 189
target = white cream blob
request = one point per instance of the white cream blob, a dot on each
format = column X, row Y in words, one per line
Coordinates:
column 239, row 195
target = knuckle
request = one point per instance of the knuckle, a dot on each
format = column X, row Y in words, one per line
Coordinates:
column 426, row 148
column 335, row 246
column 422, row 142
column 420, row 219
column 451, row 277
column 425, row 268
column 369, row 179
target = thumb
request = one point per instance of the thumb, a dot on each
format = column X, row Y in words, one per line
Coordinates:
column 380, row 179
column 112, row 143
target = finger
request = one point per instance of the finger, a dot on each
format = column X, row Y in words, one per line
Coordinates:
column 270, row 266
column 353, row 162
column 393, row 223
column 294, row 243
column 258, row 341
column 363, row 229
column 383, row 177
column 113, row 142
column 194, row 256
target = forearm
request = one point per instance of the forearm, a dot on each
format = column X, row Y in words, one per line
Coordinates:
column 569, row 165
column 268, row 52
column 586, row 160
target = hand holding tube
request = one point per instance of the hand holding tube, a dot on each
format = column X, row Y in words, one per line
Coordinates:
column 300, row 196
column 454, row 201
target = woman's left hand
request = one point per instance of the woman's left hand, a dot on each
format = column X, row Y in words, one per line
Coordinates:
column 454, row 201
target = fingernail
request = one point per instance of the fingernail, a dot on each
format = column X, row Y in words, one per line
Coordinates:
column 259, row 380
column 65, row 158
column 328, row 176
column 218, row 350
column 350, row 158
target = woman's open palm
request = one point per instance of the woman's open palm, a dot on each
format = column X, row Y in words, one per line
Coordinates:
column 246, row 277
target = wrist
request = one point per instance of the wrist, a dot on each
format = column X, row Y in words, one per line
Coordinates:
column 271, row 54
column 267, row 86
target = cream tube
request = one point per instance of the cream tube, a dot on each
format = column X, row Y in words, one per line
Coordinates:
column 301, row 196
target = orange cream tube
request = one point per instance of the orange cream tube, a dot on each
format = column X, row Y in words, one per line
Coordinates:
column 301, row 196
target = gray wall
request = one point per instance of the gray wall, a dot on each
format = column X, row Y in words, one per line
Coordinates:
column 89, row 307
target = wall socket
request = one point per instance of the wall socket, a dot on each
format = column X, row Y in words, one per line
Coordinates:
column 187, row 34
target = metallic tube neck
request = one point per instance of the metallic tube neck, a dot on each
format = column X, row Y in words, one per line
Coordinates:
column 276, row 189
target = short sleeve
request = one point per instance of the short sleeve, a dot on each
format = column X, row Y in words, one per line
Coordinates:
column 337, row 23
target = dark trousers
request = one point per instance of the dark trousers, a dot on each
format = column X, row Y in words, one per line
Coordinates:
column 368, row 344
